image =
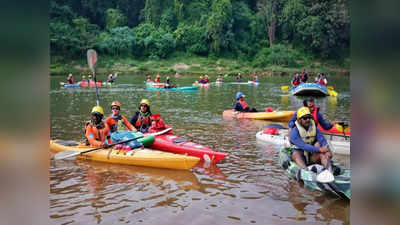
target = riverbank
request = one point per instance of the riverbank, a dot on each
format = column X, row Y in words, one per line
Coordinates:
column 192, row 65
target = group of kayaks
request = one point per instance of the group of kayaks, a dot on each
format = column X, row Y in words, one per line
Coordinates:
column 162, row 151
column 152, row 86
column 85, row 84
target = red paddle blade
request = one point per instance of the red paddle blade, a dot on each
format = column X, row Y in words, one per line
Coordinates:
column 92, row 58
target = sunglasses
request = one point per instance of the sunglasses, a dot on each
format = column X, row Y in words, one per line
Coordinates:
column 115, row 108
column 306, row 117
column 144, row 105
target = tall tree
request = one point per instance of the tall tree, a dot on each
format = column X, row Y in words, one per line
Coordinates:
column 268, row 12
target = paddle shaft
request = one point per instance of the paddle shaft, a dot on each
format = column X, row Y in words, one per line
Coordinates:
column 92, row 59
column 337, row 135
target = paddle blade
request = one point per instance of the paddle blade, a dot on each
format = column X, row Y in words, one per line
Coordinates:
column 332, row 93
column 65, row 154
column 330, row 87
column 92, row 58
column 285, row 88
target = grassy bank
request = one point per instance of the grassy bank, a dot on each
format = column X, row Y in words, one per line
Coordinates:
column 192, row 65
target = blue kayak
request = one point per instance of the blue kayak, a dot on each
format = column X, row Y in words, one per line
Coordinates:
column 313, row 89
column 187, row 88
column 72, row 85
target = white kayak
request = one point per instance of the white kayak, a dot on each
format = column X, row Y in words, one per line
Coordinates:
column 338, row 147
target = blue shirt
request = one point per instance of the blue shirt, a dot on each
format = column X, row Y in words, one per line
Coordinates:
column 324, row 124
column 296, row 140
column 238, row 107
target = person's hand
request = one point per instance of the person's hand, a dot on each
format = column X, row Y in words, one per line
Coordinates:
column 104, row 145
column 324, row 149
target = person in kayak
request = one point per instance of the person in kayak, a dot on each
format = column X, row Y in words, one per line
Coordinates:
column 206, row 80
column 255, row 79
column 322, row 79
column 120, row 127
column 90, row 78
column 241, row 104
column 84, row 79
column 308, row 142
column 158, row 79
column 168, row 83
column 304, row 76
column 70, row 79
column 219, row 78
column 158, row 124
column 317, row 117
column 116, row 121
column 239, row 77
column 97, row 132
column 149, row 79
column 201, row 80
column 141, row 119
column 111, row 79
column 296, row 80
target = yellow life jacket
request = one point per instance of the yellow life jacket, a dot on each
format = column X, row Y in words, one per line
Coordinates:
column 309, row 135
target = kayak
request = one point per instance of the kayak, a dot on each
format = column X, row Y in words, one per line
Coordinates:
column 338, row 147
column 276, row 116
column 201, row 85
column 72, row 85
column 187, row 88
column 252, row 82
column 155, row 85
column 313, row 89
column 137, row 157
column 90, row 84
column 240, row 83
column 179, row 145
column 337, row 129
column 340, row 186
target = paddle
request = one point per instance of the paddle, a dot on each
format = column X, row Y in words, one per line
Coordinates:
column 92, row 60
column 67, row 154
column 285, row 88
column 279, row 126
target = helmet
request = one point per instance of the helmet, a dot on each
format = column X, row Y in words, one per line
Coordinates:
column 201, row 77
column 302, row 112
column 308, row 99
column 167, row 78
column 206, row 75
column 89, row 76
column 115, row 103
column 239, row 94
column 98, row 109
column 110, row 75
column 145, row 101
column 70, row 75
column 158, row 75
column 83, row 76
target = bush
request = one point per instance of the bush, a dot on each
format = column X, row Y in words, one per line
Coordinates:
column 277, row 55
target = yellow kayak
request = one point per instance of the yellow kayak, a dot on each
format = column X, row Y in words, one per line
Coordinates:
column 137, row 157
column 275, row 116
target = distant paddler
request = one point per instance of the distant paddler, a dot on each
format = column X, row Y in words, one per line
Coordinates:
column 158, row 79
column 70, row 79
column 110, row 79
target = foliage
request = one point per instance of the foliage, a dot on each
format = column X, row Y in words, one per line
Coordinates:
column 278, row 54
column 119, row 40
column 114, row 18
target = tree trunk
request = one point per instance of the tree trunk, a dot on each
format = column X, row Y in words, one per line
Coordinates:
column 271, row 32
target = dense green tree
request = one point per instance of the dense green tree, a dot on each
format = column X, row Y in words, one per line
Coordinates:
column 119, row 41
column 114, row 18
column 219, row 25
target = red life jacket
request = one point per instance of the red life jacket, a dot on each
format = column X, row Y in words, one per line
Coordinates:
column 243, row 104
column 271, row 131
column 157, row 80
column 322, row 82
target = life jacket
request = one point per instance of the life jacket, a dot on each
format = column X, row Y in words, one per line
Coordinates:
column 206, row 80
column 149, row 80
column 314, row 115
column 271, row 131
column 308, row 136
column 70, row 80
column 255, row 80
column 243, row 104
column 158, row 125
column 322, row 82
column 157, row 80
column 118, row 123
column 97, row 133
column 143, row 122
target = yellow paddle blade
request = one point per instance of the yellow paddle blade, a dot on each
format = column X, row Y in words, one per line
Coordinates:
column 330, row 87
column 285, row 88
column 332, row 93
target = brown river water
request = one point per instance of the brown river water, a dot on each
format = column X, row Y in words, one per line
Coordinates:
column 247, row 187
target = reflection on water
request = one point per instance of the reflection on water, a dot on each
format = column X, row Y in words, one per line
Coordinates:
column 247, row 187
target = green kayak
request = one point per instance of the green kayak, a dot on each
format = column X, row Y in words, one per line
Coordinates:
column 340, row 186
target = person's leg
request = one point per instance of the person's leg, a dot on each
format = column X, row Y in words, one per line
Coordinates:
column 298, row 158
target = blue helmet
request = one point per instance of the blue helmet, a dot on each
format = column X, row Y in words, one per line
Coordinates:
column 239, row 94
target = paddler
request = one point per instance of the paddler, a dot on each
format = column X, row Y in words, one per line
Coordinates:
column 84, row 79
column 239, row 78
column 201, row 80
column 120, row 127
column 111, row 79
column 117, row 121
column 97, row 132
column 70, row 79
column 90, row 78
column 317, row 117
column 219, row 78
column 309, row 144
column 241, row 104
column 149, row 79
column 296, row 80
column 255, row 79
column 141, row 119
column 206, row 80
column 157, row 80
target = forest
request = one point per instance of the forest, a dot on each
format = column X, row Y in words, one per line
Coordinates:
column 262, row 33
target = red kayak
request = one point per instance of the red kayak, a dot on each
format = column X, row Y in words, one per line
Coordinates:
column 337, row 129
column 179, row 145
column 90, row 84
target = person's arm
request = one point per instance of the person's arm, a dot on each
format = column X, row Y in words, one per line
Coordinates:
column 134, row 118
column 238, row 107
column 321, row 138
column 107, row 140
column 324, row 124
column 292, row 120
column 296, row 140
column 128, row 124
